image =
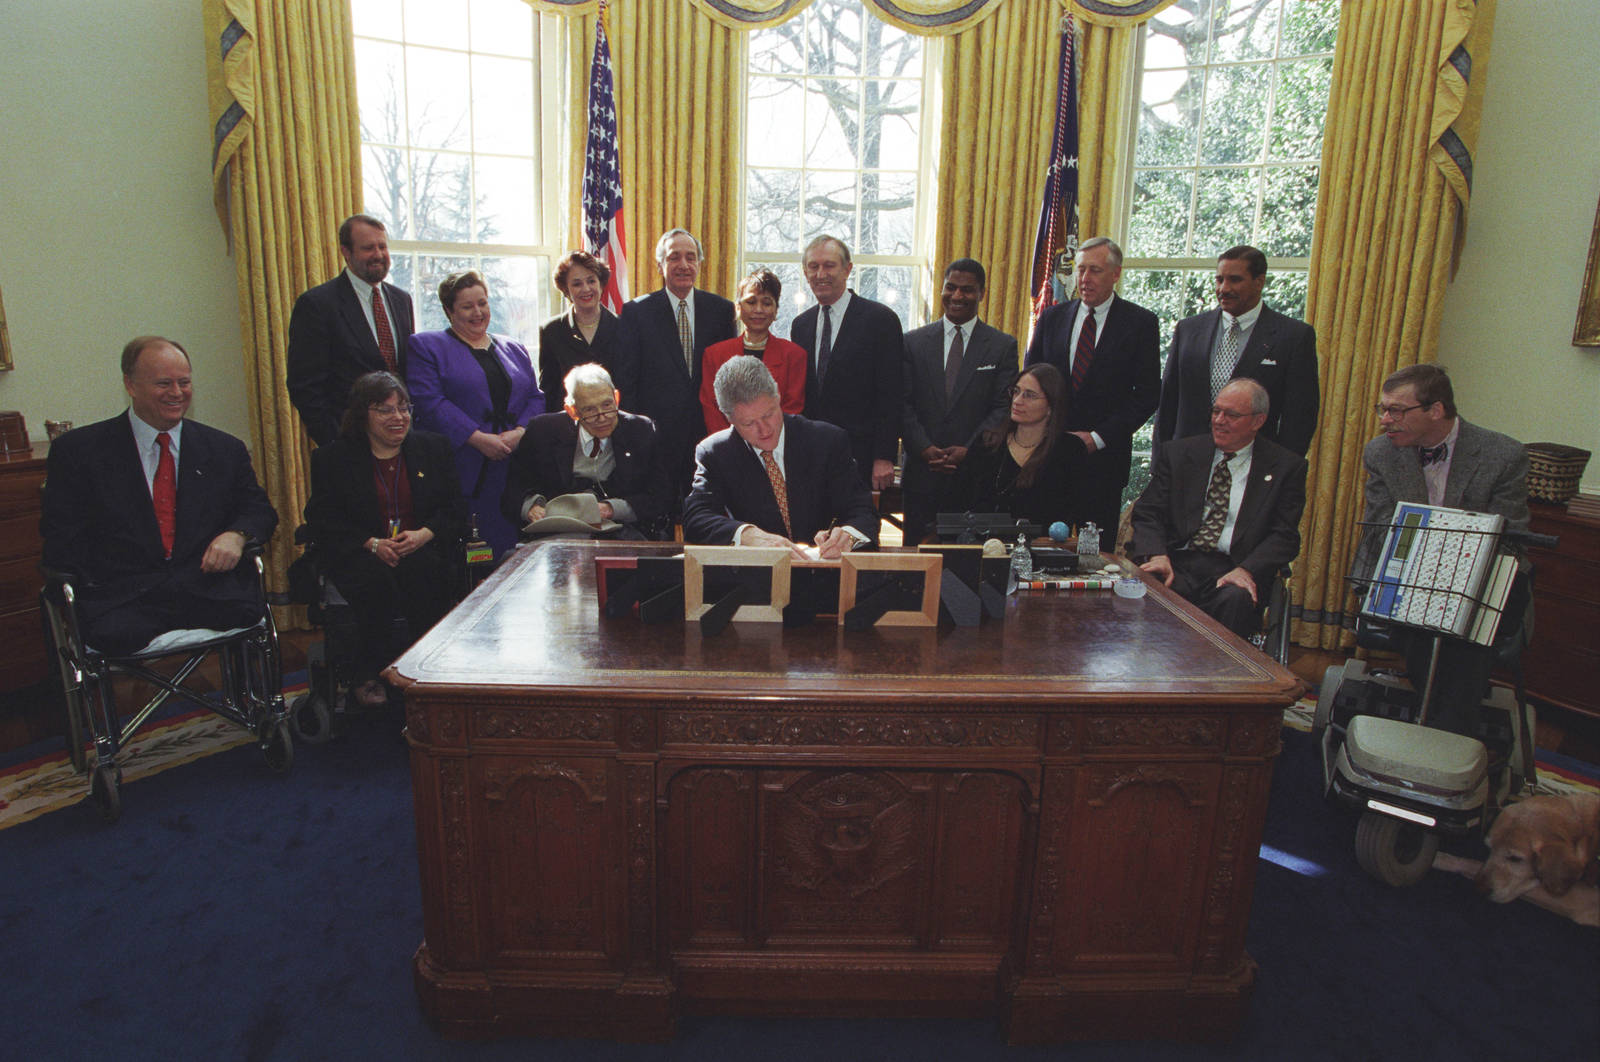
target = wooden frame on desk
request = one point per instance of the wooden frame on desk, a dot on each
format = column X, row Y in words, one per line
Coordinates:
column 931, row 565
column 696, row 559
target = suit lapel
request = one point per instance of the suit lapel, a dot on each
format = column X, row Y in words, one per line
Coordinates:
column 196, row 489
column 977, row 347
column 1463, row 463
column 668, row 314
column 1193, row 473
column 1255, row 493
column 1262, row 339
column 355, row 319
column 128, row 467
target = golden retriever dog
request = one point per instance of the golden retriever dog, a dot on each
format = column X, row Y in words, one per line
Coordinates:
column 1544, row 848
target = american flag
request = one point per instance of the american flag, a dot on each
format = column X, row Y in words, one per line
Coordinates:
column 604, row 234
column 1058, row 215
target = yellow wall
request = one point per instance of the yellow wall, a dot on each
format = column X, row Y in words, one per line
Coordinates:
column 107, row 229
column 1506, row 336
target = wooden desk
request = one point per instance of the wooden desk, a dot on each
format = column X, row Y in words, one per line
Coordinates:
column 1053, row 820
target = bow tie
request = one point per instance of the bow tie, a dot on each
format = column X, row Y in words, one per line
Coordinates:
column 1430, row 454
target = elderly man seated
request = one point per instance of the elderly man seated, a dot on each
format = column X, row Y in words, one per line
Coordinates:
column 774, row 479
column 1222, row 512
column 151, row 512
column 592, row 446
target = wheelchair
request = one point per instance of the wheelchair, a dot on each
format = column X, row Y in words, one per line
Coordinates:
column 1273, row 637
column 251, row 694
column 328, row 705
column 1413, row 783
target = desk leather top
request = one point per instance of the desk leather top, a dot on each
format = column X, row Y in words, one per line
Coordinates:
column 536, row 626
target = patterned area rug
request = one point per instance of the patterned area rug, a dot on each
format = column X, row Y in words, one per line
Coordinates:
column 47, row 783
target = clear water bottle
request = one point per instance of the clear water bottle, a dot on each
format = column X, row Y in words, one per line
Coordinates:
column 1021, row 559
column 1089, row 543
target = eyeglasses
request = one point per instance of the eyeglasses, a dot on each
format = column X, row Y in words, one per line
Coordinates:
column 1232, row 415
column 401, row 410
column 1017, row 392
column 597, row 412
column 1396, row 412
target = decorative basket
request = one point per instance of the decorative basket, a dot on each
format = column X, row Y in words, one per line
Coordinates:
column 1554, row 471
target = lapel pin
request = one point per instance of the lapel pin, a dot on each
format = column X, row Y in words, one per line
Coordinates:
column 1267, row 478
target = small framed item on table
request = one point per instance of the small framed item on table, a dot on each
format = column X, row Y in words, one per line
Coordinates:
column 751, row 583
column 891, row 589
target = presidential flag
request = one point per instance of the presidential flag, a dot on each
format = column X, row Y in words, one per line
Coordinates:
column 604, row 234
column 1058, row 214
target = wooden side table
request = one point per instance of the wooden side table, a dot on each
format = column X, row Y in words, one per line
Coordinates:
column 1563, row 662
column 21, row 548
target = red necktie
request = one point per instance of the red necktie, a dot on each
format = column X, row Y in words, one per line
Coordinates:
column 1085, row 352
column 380, row 318
column 164, row 493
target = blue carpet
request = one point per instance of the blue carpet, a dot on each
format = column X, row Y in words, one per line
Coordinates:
column 234, row 914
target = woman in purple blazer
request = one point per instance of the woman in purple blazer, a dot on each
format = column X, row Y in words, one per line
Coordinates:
column 477, row 390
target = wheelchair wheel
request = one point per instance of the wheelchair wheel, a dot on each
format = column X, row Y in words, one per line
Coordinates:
column 105, row 789
column 310, row 718
column 1393, row 851
column 278, row 748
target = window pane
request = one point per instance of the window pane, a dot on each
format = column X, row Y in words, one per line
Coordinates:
column 891, row 52
column 1225, row 209
column 384, row 189
column 502, row 28
column 780, row 49
column 1178, row 36
column 1236, row 114
column 1288, row 212
column 506, row 201
column 1159, row 226
column 402, row 267
column 1299, row 110
column 441, row 196
column 431, row 269
column 380, row 78
column 772, row 210
column 833, row 37
column 520, row 295
column 1171, row 294
column 376, row 18
column 1244, row 31
column 831, row 205
column 889, row 138
column 1286, row 290
column 771, row 138
column 833, row 115
column 436, row 98
column 1169, row 119
column 502, row 106
column 443, row 25
column 890, row 285
column 1309, row 26
column 888, row 214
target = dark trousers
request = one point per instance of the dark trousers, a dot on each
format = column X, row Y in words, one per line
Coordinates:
column 118, row 623
column 933, row 493
column 421, row 589
column 1461, row 677
column 1097, row 494
column 1195, row 579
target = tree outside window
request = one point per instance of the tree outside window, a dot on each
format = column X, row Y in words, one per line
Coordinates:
column 462, row 113
column 833, row 144
column 1233, row 97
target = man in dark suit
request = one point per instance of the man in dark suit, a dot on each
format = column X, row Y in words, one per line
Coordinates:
column 661, row 339
column 354, row 324
column 854, row 361
column 591, row 446
column 1242, row 337
column 1109, row 350
column 1222, row 512
column 775, row 480
column 153, row 512
column 1427, row 453
column 958, row 378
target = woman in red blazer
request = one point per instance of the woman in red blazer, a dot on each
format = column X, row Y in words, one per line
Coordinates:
column 757, row 307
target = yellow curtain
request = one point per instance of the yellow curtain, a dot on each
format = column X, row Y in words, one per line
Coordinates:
column 287, row 169
column 1105, row 96
column 1396, row 168
column 999, row 85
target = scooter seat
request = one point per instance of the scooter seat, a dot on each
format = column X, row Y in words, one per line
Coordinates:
column 1429, row 759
